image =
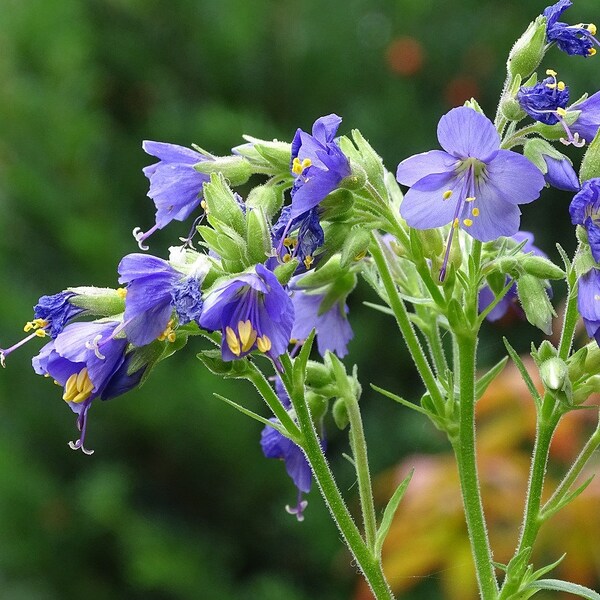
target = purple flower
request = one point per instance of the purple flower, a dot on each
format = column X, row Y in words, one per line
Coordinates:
column 572, row 39
column 318, row 164
column 298, row 237
column 89, row 362
column 154, row 290
column 276, row 445
column 560, row 174
column 333, row 330
column 542, row 101
column 588, row 302
column 510, row 300
column 175, row 186
column 472, row 183
column 56, row 311
column 587, row 123
column 585, row 210
column 252, row 310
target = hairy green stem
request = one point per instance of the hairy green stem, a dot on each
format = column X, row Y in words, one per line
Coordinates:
column 465, row 451
column 359, row 451
column 406, row 328
column 570, row 320
column 369, row 564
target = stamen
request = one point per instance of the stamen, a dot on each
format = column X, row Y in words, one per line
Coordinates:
column 289, row 242
column 470, row 199
column 232, row 341
column 298, row 167
column 360, row 255
column 93, row 345
column 41, row 333
column 299, row 509
column 4, row 352
column 263, row 343
column 551, row 72
column 447, row 194
column 467, row 222
column 122, row 293
column 592, row 52
column 561, row 112
column 591, row 28
column 475, row 212
column 168, row 334
column 455, row 223
column 78, row 387
column 286, row 258
column 308, row 261
column 247, row 335
column 82, row 426
column 203, row 205
column 561, row 86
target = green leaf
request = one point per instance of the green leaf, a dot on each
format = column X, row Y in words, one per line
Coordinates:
column 386, row 310
column 541, row 572
column 401, row 401
column 566, row 499
column 556, row 585
column 253, row 415
column 233, row 369
column 390, row 511
column 524, row 374
column 484, row 381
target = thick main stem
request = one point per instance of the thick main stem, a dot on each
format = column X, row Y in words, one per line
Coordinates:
column 464, row 448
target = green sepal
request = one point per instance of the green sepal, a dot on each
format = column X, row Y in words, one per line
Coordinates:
column 221, row 206
column 590, row 165
column 285, row 271
column 337, row 292
column 104, row 302
column 336, row 206
column 268, row 198
column 258, row 238
column 232, row 369
column 544, row 352
column 370, row 161
column 577, row 363
column 584, row 261
column 317, row 403
column 536, row 148
column 496, row 281
column 389, row 512
column 236, row 169
column 276, row 154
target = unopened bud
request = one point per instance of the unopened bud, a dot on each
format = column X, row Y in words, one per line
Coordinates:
column 529, row 49
column 554, row 373
column 535, row 302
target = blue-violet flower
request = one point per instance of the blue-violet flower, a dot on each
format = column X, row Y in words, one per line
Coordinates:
column 588, row 302
column 572, row 39
column 585, row 210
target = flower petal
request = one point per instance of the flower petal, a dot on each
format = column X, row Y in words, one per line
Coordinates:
column 514, row 178
column 465, row 133
column 172, row 153
column 496, row 217
column 420, row 165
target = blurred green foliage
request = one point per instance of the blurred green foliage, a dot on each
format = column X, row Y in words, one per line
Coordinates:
column 178, row 502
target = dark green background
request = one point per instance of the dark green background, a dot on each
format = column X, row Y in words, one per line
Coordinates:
column 178, row 502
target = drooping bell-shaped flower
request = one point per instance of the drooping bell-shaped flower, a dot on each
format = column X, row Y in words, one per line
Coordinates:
column 317, row 163
column 89, row 362
column 573, row 39
column 252, row 311
column 588, row 302
column 175, row 186
column 154, row 290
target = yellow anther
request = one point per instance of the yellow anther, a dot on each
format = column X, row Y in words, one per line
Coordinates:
column 592, row 51
column 78, row 387
column 561, row 112
column 592, row 28
column 263, row 343
column 293, row 341
column 455, row 223
column 447, row 194
column 204, row 206
column 360, row 255
column 289, row 242
column 40, row 323
column 41, row 333
column 232, row 341
column 470, row 199
column 247, row 335
column 286, row 258
column 551, row 72
column 308, row 261
column 28, row 327
column 122, row 292
column 475, row 212
column 298, row 167
column 467, row 222
column 168, row 334
column 561, row 85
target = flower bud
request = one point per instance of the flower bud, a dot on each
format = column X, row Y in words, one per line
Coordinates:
column 432, row 242
column 274, row 153
column 534, row 300
column 318, row 405
column 592, row 360
column 222, row 208
column 541, row 267
column 104, row 302
column 355, row 246
column 577, row 363
column 590, row 166
column 512, row 110
column 554, row 374
column 340, row 414
column 258, row 238
column 583, row 392
column 268, row 198
column 236, row 169
column 529, row 49
column 336, row 206
column 356, row 180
